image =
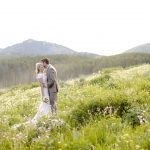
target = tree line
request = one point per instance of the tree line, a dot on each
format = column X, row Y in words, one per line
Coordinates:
column 20, row 70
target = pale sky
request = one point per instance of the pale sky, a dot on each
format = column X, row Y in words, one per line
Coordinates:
column 100, row 26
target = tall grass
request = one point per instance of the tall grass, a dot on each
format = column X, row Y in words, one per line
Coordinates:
column 110, row 111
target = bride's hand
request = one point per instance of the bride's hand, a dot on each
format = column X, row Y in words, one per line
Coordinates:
column 44, row 85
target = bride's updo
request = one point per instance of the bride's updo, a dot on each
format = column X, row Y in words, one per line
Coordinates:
column 38, row 65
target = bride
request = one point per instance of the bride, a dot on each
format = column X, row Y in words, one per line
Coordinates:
column 44, row 107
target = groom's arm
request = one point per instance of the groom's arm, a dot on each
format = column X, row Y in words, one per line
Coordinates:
column 51, row 78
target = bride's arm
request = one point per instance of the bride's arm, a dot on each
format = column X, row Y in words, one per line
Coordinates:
column 40, row 80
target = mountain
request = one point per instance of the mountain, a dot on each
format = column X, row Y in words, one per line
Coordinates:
column 145, row 48
column 34, row 48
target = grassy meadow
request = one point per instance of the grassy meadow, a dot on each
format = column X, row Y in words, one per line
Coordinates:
column 109, row 110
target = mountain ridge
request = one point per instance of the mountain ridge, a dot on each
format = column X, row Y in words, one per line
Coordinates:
column 144, row 48
column 33, row 47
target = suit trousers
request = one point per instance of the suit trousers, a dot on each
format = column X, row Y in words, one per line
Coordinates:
column 53, row 98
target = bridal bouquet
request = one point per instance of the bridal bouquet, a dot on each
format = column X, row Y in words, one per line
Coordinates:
column 45, row 99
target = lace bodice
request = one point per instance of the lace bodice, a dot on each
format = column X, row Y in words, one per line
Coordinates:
column 44, row 78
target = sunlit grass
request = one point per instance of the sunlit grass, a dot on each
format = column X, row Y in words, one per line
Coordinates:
column 100, row 112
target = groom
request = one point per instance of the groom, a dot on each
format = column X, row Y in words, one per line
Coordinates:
column 52, row 83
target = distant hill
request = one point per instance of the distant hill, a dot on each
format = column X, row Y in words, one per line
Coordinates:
column 36, row 48
column 145, row 48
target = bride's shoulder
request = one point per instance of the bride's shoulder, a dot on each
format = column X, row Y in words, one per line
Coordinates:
column 39, row 75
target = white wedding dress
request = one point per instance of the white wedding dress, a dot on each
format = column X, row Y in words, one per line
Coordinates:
column 44, row 108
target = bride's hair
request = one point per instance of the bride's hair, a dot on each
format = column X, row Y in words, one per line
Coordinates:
column 37, row 67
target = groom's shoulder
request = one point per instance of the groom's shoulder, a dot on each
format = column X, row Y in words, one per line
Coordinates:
column 51, row 67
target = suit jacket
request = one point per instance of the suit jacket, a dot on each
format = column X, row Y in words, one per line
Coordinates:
column 52, row 79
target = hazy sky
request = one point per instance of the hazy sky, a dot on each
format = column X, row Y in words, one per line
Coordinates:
column 98, row 26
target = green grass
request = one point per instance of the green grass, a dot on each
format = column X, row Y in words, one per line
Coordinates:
column 106, row 111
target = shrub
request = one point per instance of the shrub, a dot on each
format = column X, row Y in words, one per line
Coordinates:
column 13, row 120
column 110, row 70
column 34, row 85
column 100, row 80
column 134, row 117
column 32, row 134
column 81, row 81
column 99, row 108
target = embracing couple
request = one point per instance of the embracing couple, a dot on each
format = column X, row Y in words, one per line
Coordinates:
column 46, row 75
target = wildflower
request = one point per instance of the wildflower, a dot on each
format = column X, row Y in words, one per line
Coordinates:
column 118, row 141
column 34, row 140
column 13, row 138
column 137, row 146
column 127, row 141
column 17, row 135
column 126, row 135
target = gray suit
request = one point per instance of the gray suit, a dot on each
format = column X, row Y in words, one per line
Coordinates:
column 52, row 85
